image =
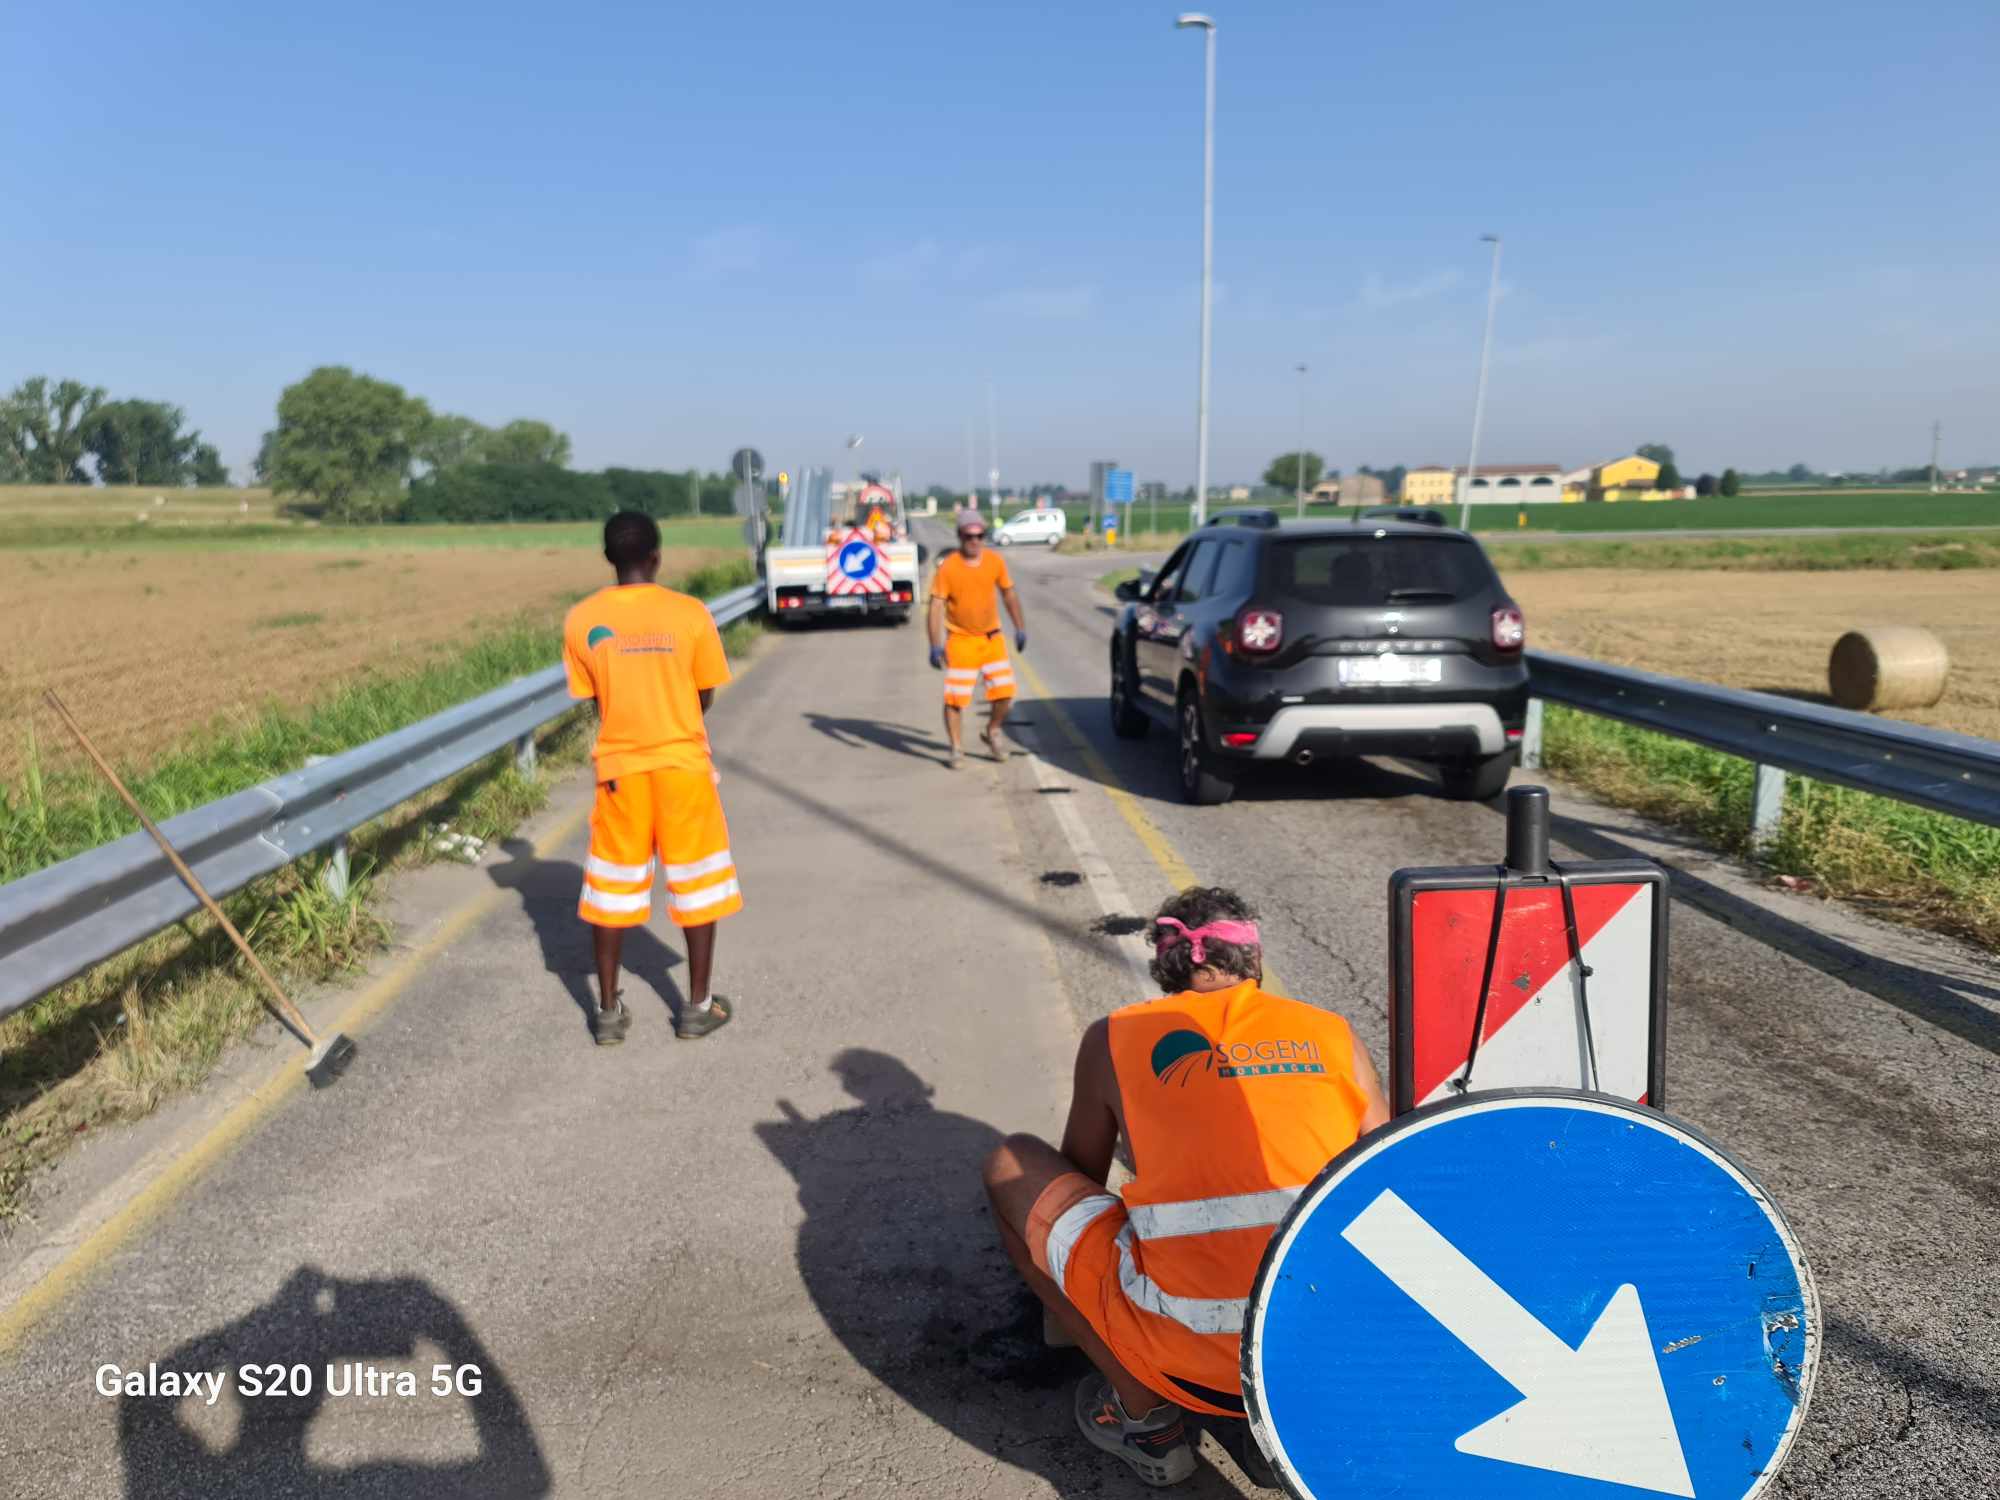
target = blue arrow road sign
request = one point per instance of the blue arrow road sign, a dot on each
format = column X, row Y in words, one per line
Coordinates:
column 1118, row 486
column 857, row 559
column 1531, row 1293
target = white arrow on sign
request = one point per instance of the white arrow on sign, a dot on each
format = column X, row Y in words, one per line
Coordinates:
column 1598, row 1411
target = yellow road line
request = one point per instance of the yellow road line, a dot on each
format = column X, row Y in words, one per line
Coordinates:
column 186, row 1168
column 1155, row 843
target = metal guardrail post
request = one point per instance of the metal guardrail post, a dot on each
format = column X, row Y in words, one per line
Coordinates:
column 524, row 755
column 1767, row 807
column 1531, row 737
column 334, row 875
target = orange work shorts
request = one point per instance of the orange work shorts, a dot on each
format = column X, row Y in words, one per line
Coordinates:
column 676, row 815
column 969, row 659
column 1074, row 1235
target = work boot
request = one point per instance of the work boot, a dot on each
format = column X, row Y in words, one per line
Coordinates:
column 1155, row 1445
column 610, row 1026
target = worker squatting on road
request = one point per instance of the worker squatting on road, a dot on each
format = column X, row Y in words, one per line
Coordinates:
column 652, row 659
column 1230, row 1101
column 966, row 643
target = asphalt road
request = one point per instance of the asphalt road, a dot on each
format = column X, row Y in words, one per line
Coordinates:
column 760, row 1265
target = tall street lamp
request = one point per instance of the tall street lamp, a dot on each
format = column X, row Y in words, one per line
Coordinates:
column 1479, row 400
column 1299, row 460
column 1207, row 26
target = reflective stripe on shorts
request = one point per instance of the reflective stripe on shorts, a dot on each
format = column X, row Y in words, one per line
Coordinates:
column 1069, row 1228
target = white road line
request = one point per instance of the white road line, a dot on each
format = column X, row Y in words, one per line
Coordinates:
column 1096, row 870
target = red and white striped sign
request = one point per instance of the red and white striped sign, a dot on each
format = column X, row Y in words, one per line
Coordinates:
column 855, row 565
column 1534, row 1033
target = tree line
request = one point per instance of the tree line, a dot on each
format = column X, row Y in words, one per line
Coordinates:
column 49, row 428
column 361, row 449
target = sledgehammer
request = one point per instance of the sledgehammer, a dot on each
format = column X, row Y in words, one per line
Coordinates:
column 328, row 1058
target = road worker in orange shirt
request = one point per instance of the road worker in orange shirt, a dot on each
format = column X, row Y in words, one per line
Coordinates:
column 652, row 659
column 1230, row 1100
column 966, row 643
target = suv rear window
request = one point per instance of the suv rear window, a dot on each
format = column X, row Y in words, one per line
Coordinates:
column 1377, row 570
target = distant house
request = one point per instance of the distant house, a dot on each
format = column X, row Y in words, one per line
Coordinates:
column 1627, row 478
column 1352, row 489
column 1431, row 484
column 1492, row 484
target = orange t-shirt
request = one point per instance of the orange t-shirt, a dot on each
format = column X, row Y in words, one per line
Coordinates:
column 971, row 591
column 646, row 654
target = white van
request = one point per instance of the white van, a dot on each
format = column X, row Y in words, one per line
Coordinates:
column 1044, row 526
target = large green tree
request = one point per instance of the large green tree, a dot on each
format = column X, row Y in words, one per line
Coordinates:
column 346, row 441
column 525, row 442
column 1284, row 470
column 141, row 442
column 1659, row 453
column 450, row 440
column 1729, row 484
column 1670, row 477
column 44, row 422
column 208, row 466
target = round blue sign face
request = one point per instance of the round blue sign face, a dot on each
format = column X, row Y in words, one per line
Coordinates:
column 1531, row 1293
column 857, row 560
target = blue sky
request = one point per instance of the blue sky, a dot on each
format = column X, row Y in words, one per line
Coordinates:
column 1760, row 232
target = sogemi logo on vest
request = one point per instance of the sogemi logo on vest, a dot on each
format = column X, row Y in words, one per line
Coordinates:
column 1177, row 1052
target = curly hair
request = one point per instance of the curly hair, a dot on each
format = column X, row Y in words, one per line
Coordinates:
column 1173, row 966
column 630, row 537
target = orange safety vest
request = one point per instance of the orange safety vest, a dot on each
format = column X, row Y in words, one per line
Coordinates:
column 1234, row 1100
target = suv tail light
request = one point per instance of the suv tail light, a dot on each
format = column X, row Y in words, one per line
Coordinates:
column 1510, row 630
column 1259, row 632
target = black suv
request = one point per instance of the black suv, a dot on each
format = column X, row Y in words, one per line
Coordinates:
column 1261, row 643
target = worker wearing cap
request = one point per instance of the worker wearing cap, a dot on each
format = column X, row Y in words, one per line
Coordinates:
column 966, row 643
column 1230, row 1101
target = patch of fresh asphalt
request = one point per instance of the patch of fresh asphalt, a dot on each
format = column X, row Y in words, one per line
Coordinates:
column 1855, row 1067
column 755, row 1265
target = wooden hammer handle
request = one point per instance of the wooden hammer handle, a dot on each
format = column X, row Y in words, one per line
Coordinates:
column 287, row 1011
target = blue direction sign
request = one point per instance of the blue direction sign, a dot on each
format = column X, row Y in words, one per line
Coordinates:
column 1118, row 486
column 857, row 559
column 1531, row 1293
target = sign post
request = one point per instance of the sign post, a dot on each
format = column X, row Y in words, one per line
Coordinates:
column 1528, row 974
column 1531, row 1295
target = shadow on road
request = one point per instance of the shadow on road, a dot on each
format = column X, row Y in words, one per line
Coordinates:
column 900, row 1256
column 1149, row 766
column 262, row 1446
column 901, row 738
column 548, row 890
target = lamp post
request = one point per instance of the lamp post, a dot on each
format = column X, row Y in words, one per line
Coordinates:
column 1479, row 400
column 1299, row 459
column 1194, row 19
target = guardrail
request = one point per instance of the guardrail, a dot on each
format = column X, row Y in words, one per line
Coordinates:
column 58, row 922
column 1935, row 768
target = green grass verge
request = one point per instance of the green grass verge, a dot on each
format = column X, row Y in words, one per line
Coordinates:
column 115, row 1042
column 1903, row 862
column 48, row 817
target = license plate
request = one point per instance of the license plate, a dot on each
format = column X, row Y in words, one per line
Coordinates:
column 1391, row 671
column 846, row 601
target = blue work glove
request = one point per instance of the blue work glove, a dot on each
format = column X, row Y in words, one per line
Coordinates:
column 937, row 658
column 1020, row 640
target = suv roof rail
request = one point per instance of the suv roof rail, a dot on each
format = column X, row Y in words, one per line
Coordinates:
column 1260, row 516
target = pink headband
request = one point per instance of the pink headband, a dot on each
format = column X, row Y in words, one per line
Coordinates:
column 1224, row 932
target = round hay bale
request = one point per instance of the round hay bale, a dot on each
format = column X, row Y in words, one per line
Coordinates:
column 1887, row 666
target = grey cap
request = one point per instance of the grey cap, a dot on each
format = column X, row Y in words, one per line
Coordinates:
column 971, row 518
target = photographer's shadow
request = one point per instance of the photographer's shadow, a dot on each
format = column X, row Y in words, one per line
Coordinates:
column 899, row 1253
column 548, row 890
column 262, row 1445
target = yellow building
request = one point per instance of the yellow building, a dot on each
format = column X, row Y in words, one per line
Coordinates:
column 1631, row 476
column 1433, row 484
